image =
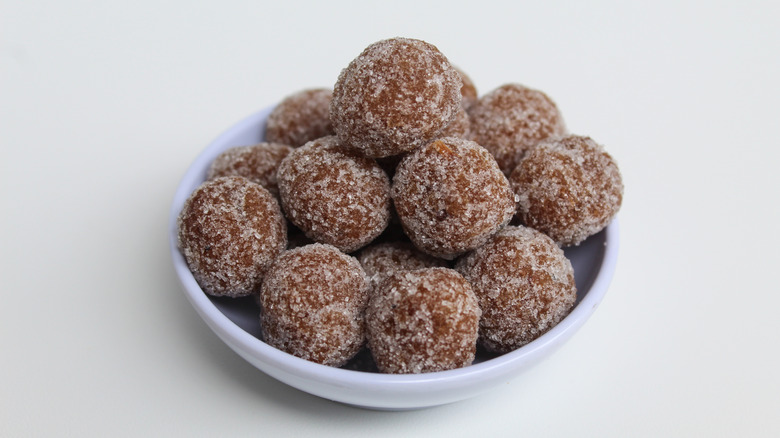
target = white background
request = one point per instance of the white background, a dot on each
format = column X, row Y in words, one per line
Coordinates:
column 104, row 104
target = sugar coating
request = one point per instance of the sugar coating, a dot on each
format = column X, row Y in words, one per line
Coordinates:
column 395, row 96
column 568, row 188
column 451, row 196
column 512, row 118
column 468, row 91
column 300, row 118
column 460, row 126
column 423, row 321
column 313, row 301
column 334, row 194
column 525, row 286
column 229, row 231
column 257, row 163
column 381, row 260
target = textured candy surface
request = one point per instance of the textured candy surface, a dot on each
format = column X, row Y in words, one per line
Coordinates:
column 334, row 194
column 568, row 188
column 300, row 118
column 460, row 126
column 451, row 196
column 525, row 286
column 468, row 91
column 257, row 163
column 313, row 301
column 395, row 96
column 384, row 259
column 512, row 118
column 422, row 321
column 230, row 230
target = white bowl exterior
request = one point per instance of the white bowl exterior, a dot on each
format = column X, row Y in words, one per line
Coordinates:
column 370, row 390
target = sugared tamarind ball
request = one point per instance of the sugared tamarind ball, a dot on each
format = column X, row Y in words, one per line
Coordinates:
column 512, row 118
column 230, row 230
column 313, row 301
column 451, row 196
column 422, row 321
column 524, row 284
column 334, row 194
column 300, row 118
column 395, row 96
column 569, row 188
column 257, row 163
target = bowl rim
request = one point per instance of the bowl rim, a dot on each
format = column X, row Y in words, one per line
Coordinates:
column 367, row 381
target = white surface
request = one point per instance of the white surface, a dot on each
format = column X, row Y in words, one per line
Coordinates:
column 103, row 105
column 236, row 322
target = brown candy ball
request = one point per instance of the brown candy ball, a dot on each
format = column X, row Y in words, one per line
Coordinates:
column 468, row 91
column 423, row 321
column 460, row 126
column 395, row 96
column 451, row 196
column 300, row 118
column 525, row 286
column 257, row 163
column 512, row 118
column 568, row 188
column 230, row 230
column 384, row 259
column 313, row 301
column 334, row 194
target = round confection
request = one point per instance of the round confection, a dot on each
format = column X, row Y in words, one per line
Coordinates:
column 395, row 96
column 468, row 91
column 313, row 301
column 334, row 194
column 568, row 188
column 512, row 118
column 460, row 126
column 300, row 118
column 229, row 231
column 525, row 286
column 380, row 260
column 257, row 163
column 422, row 321
column 451, row 196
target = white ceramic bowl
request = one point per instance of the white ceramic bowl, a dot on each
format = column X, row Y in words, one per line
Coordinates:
column 237, row 323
